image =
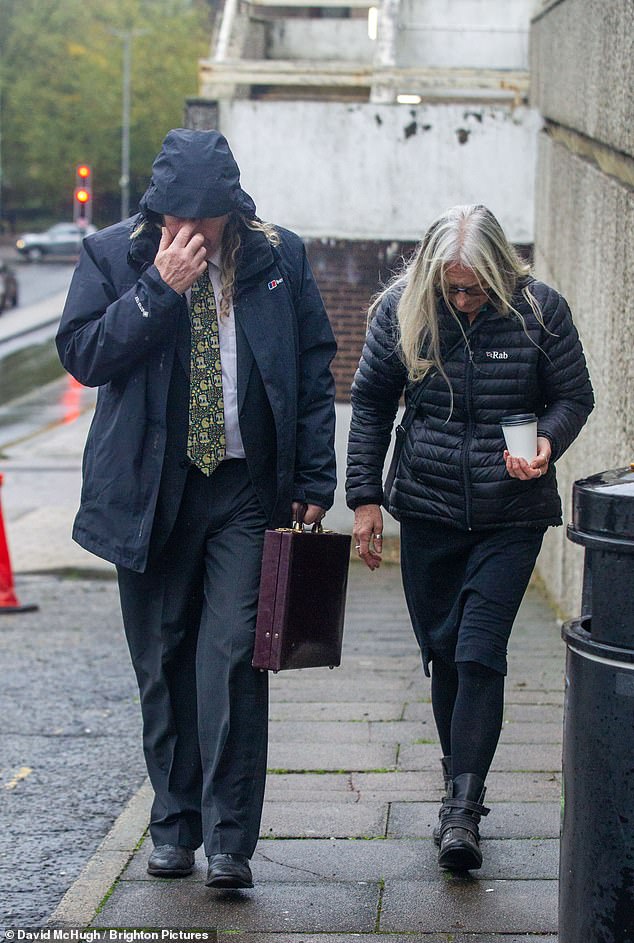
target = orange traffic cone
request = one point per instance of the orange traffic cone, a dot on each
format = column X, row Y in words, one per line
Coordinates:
column 8, row 600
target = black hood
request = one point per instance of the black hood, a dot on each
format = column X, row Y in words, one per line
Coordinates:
column 195, row 176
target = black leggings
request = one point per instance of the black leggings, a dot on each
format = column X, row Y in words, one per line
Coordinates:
column 468, row 704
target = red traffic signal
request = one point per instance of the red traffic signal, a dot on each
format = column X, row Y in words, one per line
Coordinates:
column 82, row 196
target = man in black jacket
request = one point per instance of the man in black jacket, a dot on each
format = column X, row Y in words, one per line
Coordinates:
column 206, row 334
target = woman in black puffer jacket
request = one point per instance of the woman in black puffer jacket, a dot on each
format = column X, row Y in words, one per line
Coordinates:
column 473, row 338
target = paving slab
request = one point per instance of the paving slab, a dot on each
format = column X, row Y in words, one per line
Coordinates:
column 324, row 689
column 347, row 711
column 297, row 787
column 279, row 908
column 521, row 705
column 405, row 731
column 534, row 713
column 507, row 757
column 312, row 732
column 538, row 670
column 354, row 787
column 540, row 689
column 350, row 673
column 523, row 787
column 459, row 904
column 324, row 820
column 395, row 784
column 513, row 732
column 506, row 820
column 545, row 698
column 331, row 756
column 399, row 664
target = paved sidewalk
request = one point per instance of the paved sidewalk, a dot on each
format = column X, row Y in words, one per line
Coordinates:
column 352, row 797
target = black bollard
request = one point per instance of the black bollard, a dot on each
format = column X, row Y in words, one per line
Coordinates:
column 596, row 873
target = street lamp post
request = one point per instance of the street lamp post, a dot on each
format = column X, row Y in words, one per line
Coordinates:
column 124, row 182
column 125, row 126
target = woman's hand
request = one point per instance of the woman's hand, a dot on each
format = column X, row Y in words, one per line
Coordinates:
column 368, row 534
column 525, row 471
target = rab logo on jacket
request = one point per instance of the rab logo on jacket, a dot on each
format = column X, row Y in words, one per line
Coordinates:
column 273, row 284
column 497, row 354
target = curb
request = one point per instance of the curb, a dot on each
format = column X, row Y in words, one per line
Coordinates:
column 30, row 330
column 81, row 901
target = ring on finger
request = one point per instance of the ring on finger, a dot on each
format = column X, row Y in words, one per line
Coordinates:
column 357, row 546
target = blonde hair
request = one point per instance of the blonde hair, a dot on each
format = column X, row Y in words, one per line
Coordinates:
column 467, row 235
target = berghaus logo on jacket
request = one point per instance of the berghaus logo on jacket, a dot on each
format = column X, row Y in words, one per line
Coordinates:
column 274, row 283
column 496, row 354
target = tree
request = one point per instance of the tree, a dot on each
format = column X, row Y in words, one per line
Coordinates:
column 61, row 93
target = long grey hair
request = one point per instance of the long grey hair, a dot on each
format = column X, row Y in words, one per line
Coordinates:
column 471, row 236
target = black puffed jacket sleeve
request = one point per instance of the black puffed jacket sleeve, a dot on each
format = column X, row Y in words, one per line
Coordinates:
column 376, row 391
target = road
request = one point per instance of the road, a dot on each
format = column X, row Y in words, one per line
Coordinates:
column 29, row 397
column 70, row 742
column 38, row 281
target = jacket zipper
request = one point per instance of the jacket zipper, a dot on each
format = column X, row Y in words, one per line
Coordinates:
column 466, row 445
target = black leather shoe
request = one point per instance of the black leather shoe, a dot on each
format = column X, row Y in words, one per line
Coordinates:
column 229, row 871
column 171, row 861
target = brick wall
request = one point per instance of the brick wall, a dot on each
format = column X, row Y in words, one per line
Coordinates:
column 349, row 273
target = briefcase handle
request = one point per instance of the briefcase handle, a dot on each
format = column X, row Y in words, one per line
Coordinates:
column 298, row 527
column 298, row 523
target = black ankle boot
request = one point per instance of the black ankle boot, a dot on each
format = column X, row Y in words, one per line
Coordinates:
column 446, row 777
column 459, row 835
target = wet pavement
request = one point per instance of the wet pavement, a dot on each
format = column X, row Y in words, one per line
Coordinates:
column 70, row 741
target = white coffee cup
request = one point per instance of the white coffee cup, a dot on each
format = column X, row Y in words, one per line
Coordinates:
column 520, row 434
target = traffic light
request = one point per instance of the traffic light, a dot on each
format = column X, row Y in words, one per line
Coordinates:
column 82, row 202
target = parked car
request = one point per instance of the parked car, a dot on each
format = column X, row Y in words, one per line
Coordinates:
column 60, row 239
column 8, row 287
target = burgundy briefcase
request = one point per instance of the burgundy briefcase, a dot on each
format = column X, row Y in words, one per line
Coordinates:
column 302, row 599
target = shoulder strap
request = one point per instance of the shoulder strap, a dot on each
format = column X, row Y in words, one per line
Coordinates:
column 412, row 406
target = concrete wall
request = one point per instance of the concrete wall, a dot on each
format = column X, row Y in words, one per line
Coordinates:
column 320, row 39
column 364, row 171
column 582, row 66
column 490, row 34
column 582, row 77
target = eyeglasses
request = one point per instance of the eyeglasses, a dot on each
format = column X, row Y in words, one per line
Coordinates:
column 471, row 291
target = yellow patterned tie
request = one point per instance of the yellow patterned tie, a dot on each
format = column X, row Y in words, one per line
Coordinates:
column 206, row 434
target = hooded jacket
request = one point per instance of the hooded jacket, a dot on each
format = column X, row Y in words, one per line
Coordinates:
column 126, row 331
column 451, row 468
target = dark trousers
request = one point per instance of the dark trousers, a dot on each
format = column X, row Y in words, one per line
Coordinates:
column 190, row 624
